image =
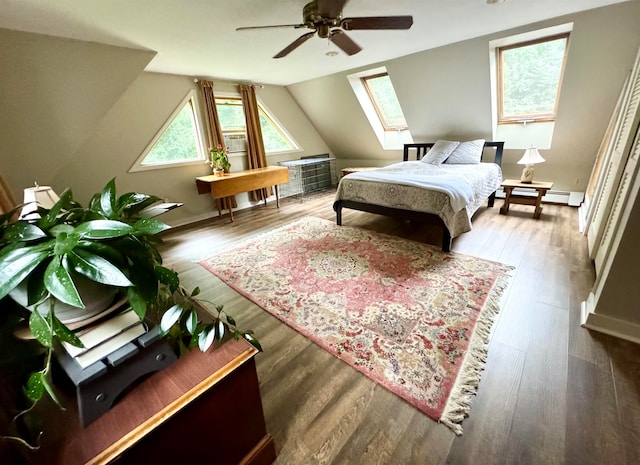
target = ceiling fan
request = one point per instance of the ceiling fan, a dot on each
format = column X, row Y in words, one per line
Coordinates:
column 325, row 18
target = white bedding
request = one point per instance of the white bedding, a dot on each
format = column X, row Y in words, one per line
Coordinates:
column 453, row 192
column 449, row 179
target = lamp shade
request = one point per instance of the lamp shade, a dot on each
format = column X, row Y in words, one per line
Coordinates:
column 531, row 157
column 42, row 196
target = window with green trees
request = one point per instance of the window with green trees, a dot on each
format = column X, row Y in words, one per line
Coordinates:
column 529, row 79
column 232, row 122
column 385, row 101
column 179, row 142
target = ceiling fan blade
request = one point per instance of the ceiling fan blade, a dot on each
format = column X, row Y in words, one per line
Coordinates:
column 377, row 22
column 296, row 26
column 343, row 41
column 295, row 44
column 330, row 8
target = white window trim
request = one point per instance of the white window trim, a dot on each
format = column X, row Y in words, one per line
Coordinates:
column 389, row 140
column 521, row 136
column 279, row 125
column 138, row 166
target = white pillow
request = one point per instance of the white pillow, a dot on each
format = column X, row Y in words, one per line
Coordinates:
column 467, row 153
column 439, row 152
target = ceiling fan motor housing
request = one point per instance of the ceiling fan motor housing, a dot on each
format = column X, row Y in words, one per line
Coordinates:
column 312, row 18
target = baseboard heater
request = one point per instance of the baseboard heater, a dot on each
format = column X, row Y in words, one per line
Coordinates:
column 573, row 199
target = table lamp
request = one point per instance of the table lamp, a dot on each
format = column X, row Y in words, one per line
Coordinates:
column 531, row 157
column 34, row 197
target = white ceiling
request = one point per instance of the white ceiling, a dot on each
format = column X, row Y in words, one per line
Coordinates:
column 198, row 37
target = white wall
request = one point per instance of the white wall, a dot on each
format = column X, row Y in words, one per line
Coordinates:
column 445, row 93
column 53, row 93
column 76, row 114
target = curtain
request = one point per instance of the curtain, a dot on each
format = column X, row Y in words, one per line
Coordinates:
column 255, row 145
column 7, row 203
column 214, row 132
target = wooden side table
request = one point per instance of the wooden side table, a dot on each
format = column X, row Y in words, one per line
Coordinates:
column 541, row 187
column 237, row 182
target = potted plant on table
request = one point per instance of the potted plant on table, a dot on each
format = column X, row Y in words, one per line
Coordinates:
column 109, row 245
column 219, row 160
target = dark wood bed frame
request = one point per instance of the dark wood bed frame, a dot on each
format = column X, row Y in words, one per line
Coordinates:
column 428, row 218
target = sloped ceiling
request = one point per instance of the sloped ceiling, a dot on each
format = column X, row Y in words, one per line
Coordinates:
column 198, row 37
column 50, row 103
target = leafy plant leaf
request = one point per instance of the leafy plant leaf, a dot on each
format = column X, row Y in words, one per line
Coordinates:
column 206, row 338
column 50, row 218
column 104, row 250
column 40, row 329
column 195, row 292
column 132, row 203
column 65, row 243
column 36, row 290
column 230, row 320
column 49, row 388
column 97, row 268
column 108, row 199
column 167, row 276
column 191, row 322
column 103, row 229
column 170, row 317
column 253, row 341
column 220, row 330
column 150, row 226
column 34, row 389
column 15, row 265
column 59, row 283
column 21, row 231
column 64, row 333
column 137, row 302
column 129, row 200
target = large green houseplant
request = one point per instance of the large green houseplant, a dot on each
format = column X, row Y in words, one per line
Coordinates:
column 109, row 242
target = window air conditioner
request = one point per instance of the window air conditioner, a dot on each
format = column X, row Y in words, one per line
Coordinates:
column 235, row 142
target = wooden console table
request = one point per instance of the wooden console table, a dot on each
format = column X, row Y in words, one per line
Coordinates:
column 204, row 408
column 237, row 182
column 540, row 187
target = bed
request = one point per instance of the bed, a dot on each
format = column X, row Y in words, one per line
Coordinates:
column 441, row 192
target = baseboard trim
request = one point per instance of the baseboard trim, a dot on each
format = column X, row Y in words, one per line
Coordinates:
column 606, row 324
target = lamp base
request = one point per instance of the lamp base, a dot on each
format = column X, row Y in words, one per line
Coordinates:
column 527, row 175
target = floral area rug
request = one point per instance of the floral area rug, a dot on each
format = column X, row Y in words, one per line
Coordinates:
column 407, row 315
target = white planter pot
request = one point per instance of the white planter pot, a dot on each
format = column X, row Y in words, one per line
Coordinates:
column 96, row 297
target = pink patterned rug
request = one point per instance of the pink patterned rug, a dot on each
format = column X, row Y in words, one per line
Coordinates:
column 406, row 314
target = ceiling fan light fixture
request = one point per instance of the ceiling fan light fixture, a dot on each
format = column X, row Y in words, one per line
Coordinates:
column 331, row 53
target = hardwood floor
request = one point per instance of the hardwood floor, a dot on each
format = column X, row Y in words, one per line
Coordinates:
column 552, row 392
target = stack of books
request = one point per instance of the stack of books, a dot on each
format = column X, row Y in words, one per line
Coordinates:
column 105, row 337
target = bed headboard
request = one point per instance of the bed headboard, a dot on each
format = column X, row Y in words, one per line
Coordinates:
column 423, row 147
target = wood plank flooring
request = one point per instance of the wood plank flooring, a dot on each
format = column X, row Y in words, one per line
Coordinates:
column 552, row 392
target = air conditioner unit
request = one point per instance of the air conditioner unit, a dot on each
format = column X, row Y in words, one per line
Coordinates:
column 235, row 142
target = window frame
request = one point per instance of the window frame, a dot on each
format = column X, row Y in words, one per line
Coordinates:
column 293, row 145
column 528, row 117
column 191, row 100
column 376, row 105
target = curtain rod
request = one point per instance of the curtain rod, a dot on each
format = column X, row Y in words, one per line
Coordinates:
column 261, row 86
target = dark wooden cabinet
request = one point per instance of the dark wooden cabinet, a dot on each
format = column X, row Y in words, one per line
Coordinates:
column 204, row 408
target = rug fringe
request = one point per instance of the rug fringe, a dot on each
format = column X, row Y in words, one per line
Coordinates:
column 466, row 385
